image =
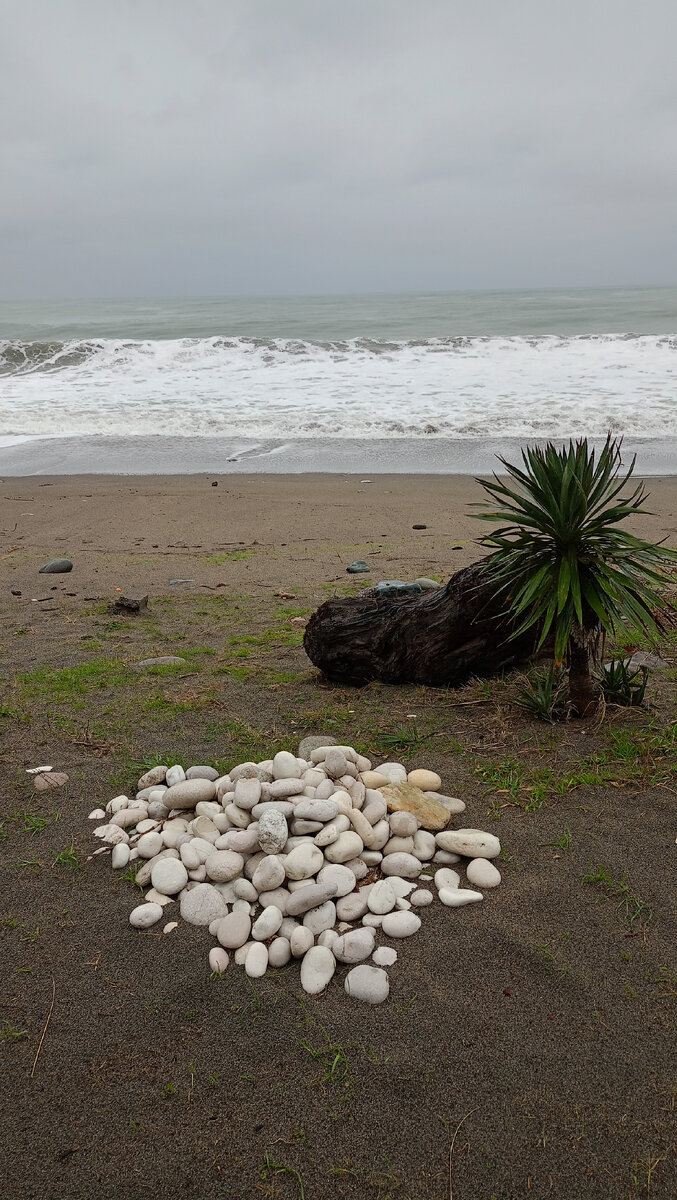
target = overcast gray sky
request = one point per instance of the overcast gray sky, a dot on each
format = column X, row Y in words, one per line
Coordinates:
column 188, row 147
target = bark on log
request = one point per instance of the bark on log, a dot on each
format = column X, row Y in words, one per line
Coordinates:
column 439, row 638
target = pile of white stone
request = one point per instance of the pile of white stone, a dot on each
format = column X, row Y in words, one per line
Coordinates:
column 271, row 856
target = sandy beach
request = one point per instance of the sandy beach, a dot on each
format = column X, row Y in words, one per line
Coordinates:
column 541, row 1018
column 252, row 532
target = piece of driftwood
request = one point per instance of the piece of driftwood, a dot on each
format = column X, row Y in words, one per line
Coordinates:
column 440, row 638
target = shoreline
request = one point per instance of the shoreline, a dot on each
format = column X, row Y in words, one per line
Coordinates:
column 159, row 455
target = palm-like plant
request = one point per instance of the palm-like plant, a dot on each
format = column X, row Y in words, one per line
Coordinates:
column 563, row 563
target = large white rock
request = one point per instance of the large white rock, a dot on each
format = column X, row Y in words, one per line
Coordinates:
column 424, row 845
column 145, row 915
column 405, row 865
column 452, row 803
column 149, row 844
column 338, row 876
column 351, row 907
column 267, row 924
column 273, row 831
column 354, row 946
column 456, row 897
column 304, row 899
column 247, row 793
column 300, row 941
column 303, row 861
column 381, row 898
column 347, row 845
column 175, row 775
column 400, row 924
column 472, row 843
column 285, row 766
column 153, row 777
column 279, row 952
column 321, row 918
column 269, row 874
column 169, row 876
column 317, row 968
column 316, row 810
column 369, row 984
column 224, row 865
column 202, row 905
column 393, row 772
column 403, row 824
column 233, row 930
column 188, row 793
column 483, row 873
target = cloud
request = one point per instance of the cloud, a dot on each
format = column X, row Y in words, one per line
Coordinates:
column 154, row 147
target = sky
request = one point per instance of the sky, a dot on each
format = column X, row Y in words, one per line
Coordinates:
column 220, row 147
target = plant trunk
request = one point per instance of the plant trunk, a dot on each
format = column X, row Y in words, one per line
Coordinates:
column 439, row 638
column 583, row 694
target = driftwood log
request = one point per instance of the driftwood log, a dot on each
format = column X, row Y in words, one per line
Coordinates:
column 440, row 638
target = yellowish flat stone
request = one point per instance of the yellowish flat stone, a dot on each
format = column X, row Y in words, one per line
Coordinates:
column 403, row 797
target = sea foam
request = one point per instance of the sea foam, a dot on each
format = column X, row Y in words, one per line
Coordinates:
column 464, row 387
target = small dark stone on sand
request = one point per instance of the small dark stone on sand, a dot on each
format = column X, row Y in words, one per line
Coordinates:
column 419, row 526
column 457, row 547
column 15, row 591
column 358, row 567
column 128, row 604
column 215, row 483
column 57, row 566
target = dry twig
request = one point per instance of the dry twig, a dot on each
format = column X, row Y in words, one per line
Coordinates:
column 42, row 1038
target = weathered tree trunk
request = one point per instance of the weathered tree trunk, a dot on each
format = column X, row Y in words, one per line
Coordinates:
column 583, row 693
column 439, row 638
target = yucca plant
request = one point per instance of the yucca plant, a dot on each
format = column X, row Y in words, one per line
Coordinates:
column 565, row 566
column 542, row 694
column 623, row 684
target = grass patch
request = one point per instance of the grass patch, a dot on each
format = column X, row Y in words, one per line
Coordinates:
column 635, row 909
column 69, row 685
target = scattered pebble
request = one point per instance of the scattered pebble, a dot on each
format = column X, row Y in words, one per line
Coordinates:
column 57, row 566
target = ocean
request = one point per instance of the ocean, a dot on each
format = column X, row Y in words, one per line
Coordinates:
column 413, row 382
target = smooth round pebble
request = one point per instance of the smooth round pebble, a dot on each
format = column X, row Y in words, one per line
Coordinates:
column 381, row 898
column 149, row 844
column 202, row 905
column 317, row 968
column 234, row 930
column 218, row 960
column 483, row 873
column 267, row 923
column 370, row 984
column 400, row 924
column 421, row 898
column 145, row 915
column 279, row 952
column 256, row 962
column 169, row 876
